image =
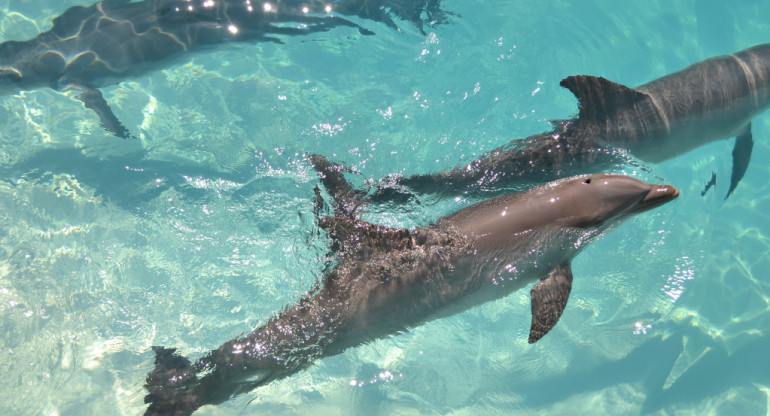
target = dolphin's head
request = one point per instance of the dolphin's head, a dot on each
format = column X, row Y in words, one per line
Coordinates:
column 596, row 200
column 583, row 202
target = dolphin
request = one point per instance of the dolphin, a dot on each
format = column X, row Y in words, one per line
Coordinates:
column 107, row 42
column 387, row 280
column 711, row 100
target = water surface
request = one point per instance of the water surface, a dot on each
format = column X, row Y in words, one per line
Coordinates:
column 203, row 227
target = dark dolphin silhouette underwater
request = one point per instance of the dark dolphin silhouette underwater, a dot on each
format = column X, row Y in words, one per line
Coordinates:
column 711, row 100
column 387, row 280
column 91, row 47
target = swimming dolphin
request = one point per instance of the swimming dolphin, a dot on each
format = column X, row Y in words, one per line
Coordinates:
column 707, row 101
column 387, row 280
column 105, row 43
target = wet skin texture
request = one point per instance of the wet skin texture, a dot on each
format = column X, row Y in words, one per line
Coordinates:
column 387, row 280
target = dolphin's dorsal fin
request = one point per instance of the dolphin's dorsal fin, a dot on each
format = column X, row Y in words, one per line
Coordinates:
column 549, row 297
column 599, row 97
column 346, row 198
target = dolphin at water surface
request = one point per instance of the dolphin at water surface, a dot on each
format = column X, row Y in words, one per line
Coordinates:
column 711, row 100
column 105, row 43
column 387, row 280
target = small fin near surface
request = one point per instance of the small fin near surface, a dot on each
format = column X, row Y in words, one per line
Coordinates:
column 712, row 182
column 93, row 99
column 549, row 298
column 744, row 143
column 599, row 97
column 346, row 199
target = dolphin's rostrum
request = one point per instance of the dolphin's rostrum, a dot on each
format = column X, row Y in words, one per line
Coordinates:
column 387, row 280
column 105, row 43
column 711, row 100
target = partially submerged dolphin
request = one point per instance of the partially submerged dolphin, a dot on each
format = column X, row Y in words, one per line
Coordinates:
column 387, row 280
column 708, row 101
column 105, row 43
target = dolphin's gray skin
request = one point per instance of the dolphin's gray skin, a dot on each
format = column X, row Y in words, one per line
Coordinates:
column 91, row 47
column 387, row 280
column 710, row 100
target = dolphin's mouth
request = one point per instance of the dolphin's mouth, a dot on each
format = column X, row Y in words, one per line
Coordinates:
column 657, row 196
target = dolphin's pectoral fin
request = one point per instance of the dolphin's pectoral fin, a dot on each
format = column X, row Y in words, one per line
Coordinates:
column 548, row 298
column 599, row 97
column 744, row 143
column 93, row 99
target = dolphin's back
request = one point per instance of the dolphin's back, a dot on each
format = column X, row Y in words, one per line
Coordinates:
column 725, row 91
column 707, row 101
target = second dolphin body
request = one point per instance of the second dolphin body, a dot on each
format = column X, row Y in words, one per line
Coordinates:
column 387, row 280
column 710, row 100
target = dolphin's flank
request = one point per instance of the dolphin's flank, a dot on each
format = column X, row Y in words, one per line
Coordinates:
column 387, row 280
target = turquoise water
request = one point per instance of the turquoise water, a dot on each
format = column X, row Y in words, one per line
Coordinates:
column 203, row 227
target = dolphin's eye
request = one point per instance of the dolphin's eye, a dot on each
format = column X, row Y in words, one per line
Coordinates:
column 587, row 180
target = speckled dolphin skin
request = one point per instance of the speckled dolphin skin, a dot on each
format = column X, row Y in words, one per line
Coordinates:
column 387, row 280
column 711, row 100
column 105, row 43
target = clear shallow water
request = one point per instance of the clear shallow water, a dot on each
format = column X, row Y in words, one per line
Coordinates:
column 203, row 228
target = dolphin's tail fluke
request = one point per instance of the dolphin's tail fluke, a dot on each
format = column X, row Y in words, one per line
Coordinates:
column 174, row 389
